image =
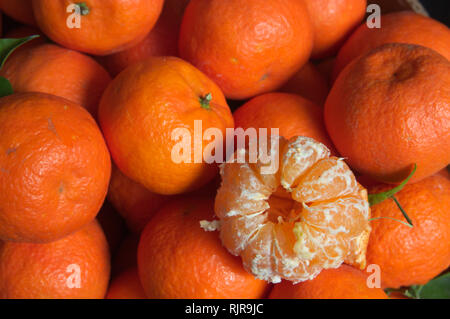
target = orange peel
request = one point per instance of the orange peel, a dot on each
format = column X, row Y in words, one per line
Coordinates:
column 308, row 215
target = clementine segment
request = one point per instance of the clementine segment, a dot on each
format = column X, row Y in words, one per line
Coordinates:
column 247, row 47
column 390, row 109
column 291, row 223
column 54, row 167
column 105, row 27
column 344, row 282
column 411, row 256
column 178, row 259
column 144, row 109
column 398, row 27
column 52, row 69
column 75, row 267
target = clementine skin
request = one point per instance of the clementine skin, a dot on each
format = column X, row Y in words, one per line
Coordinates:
column 290, row 113
column 177, row 259
column 398, row 27
column 333, row 21
column 134, row 202
column 19, row 10
column 75, row 267
column 55, row 70
column 54, row 168
column 309, row 83
column 127, row 285
column 412, row 256
column 247, row 47
column 161, row 41
column 390, row 109
column 106, row 26
column 140, row 112
column 344, row 282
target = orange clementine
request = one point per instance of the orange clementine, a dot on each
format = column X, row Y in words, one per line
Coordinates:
column 178, row 259
column 398, row 27
column 291, row 222
column 134, row 202
column 20, row 10
column 410, row 256
column 54, row 167
column 290, row 113
column 309, row 83
column 344, row 282
column 51, row 69
column 161, row 41
column 105, row 27
column 332, row 22
column 144, row 109
column 390, row 109
column 247, row 47
column 127, row 285
column 75, row 267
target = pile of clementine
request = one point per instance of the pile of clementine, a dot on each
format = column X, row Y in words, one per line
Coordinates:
column 122, row 175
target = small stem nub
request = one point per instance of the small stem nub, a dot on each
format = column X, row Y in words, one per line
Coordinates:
column 375, row 199
column 84, row 9
column 205, row 101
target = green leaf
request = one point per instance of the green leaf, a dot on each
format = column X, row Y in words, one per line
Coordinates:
column 438, row 288
column 381, row 197
column 7, row 46
column 5, row 87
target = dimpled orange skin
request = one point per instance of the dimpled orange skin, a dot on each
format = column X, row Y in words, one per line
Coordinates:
column 309, row 83
column 140, row 111
column 177, row 259
column 412, row 256
column 127, row 285
column 52, row 69
column 47, row 271
column 54, row 168
column 397, row 27
column 333, row 21
column 20, row 10
column 290, row 113
column 344, row 282
column 391, row 109
column 161, row 41
column 134, row 202
column 109, row 27
column 247, row 47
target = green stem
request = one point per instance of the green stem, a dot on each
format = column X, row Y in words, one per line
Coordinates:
column 84, row 9
column 205, row 101
column 391, row 218
column 402, row 210
column 375, row 199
